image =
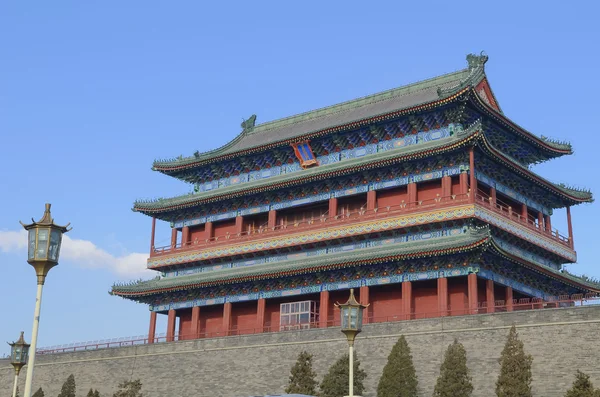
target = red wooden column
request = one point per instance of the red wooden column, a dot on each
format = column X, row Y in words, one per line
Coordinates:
column 473, row 180
column 152, row 235
column 323, row 309
column 570, row 225
column 412, row 193
column 239, row 224
column 173, row 238
column 152, row 329
column 371, row 200
column 272, row 219
column 493, row 196
column 407, row 300
column 226, row 318
column 195, row 328
column 540, row 221
column 185, row 236
column 442, row 294
column 509, row 299
column 208, row 230
column 524, row 213
column 171, row 325
column 472, row 291
column 364, row 300
column 260, row 315
column 547, row 223
column 489, row 296
column 463, row 179
column 446, row 186
column 333, row 207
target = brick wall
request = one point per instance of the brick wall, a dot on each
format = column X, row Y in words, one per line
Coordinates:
column 560, row 340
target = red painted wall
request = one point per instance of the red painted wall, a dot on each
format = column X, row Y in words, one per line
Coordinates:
column 197, row 232
column 429, row 190
column 386, row 302
column 352, row 203
column 455, row 185
column 392, row 197
column 223, row 227
column 481, row 291
column 243, row 317
column 458, row 295
column 185, row 323
column 211, row 320
column 253, row 222
column 425, row 303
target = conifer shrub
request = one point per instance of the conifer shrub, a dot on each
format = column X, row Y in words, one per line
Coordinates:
column 302, row 376
column 93, row 393
column 68, row 388
column 38, row 393
column 582, row 387
column 129, row 388
column 454, row 379
column 399, row 378
column 515, row 369
column 335, row 382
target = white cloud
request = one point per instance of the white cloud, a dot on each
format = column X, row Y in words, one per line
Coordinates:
column 83, row 253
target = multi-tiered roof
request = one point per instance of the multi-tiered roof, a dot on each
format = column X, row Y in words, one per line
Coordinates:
column 413, row 129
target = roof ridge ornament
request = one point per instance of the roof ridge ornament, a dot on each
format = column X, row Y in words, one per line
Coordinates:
column 248, row 125
column 477, row 61
column 476, row 66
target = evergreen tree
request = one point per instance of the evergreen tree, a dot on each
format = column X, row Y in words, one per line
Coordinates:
column 335, row 383
column 68, row 388
column 582, row 387
column 93, row 393
column 302, row 377
column 515, row 369
column 17, row 392
column 399, row 378
column 454, row 380
column 129, row 388
column 38, row 393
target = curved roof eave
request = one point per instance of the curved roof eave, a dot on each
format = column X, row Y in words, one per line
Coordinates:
column 451, row 245
column 334, row 169
column 554, row 148
column 572, row 280
column 575, row 196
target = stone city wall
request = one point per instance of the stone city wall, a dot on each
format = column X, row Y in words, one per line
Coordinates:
column 560, row 340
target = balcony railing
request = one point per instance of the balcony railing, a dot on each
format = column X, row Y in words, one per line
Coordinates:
column 508, row 212
column 498, row 306
column 317, row 223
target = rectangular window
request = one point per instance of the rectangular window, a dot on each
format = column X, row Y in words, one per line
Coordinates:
column 297, row 315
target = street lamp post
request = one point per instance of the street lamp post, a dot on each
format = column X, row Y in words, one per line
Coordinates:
column 352, row 317
column 18, row 358
column 44, row 242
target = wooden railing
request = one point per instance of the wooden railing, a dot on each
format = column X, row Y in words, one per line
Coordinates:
column 498, row 306
column 508, row 212
column 317, row 223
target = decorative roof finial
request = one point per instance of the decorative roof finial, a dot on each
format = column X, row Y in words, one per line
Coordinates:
column 477, row 61
column 248, row 125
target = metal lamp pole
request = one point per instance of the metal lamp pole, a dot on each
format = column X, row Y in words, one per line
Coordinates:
column 44, row 241
column 352, row 318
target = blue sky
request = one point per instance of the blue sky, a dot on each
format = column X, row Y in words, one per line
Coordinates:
column 92, row 92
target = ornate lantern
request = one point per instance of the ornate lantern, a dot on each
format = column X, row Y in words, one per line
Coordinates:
column 19, row 352
column 44, row 243
column 352, row 318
